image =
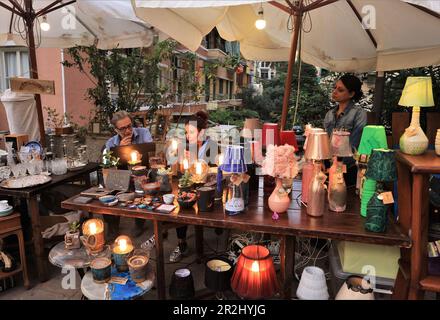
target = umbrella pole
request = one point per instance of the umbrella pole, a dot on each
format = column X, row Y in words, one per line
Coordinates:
column 34, row 75
column 288, row 82
column 379, row 96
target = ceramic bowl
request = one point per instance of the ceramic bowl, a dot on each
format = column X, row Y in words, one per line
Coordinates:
column 184, row 202
column 168, row 198
column 127, row 196
column 151, row 188
column 107, row 199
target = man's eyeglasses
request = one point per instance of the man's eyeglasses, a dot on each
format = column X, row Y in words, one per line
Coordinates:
column 125, row 128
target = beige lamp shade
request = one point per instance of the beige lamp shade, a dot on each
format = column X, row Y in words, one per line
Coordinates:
column 250, row 124
column 318, row 146
column 417, row 92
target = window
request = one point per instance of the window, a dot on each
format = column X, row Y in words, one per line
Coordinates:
column 220, row 86
column 14, row 62
column 264, row 74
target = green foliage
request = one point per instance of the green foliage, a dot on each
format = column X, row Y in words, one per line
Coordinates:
column 313, row 103
column 109, row 160
column 74, row 226
column 132, row 73
column 186, row 180
column 232, row 117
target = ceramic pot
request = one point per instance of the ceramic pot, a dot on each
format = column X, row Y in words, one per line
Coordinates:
column 279, row 200
column 101, row 269
column 71, row 240
column 137, row 265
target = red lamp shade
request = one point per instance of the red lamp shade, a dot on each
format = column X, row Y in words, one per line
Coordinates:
column 288, row 137
column 271, row 134
column 254, row 276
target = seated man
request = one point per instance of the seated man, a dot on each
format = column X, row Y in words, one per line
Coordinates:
column 126, row 135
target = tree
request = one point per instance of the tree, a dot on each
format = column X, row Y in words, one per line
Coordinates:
column 132, row 73
column 313, row 103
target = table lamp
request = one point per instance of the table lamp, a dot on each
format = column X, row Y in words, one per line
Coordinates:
column 254, row 276
column 233, row 162
column 289, row 137
column 218, row 274
column 93, row 235
column 337, row 189
column 373, row 137
column 121, row 251
column 307, row 170
column 249, row 127
column 381, row 168
column 417, row 93
column 318, row 149
column 271, row 134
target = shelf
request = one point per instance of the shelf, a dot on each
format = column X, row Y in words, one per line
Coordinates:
column 431, row 283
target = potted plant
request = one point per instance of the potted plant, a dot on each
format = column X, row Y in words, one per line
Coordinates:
column 109, row 162
column 71, row 238
column 185, row 182
column 58, row 123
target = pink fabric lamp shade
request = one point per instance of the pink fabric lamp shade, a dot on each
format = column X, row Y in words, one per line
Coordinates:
column 254, row 276
column 288, row 137
column 271, row 134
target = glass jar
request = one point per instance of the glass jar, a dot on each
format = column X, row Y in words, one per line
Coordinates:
column 235, row 204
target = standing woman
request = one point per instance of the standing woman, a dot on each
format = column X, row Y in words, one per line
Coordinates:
column 347, row 116
column 195, row 127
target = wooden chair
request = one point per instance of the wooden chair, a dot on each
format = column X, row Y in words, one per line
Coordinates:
column 11, row 225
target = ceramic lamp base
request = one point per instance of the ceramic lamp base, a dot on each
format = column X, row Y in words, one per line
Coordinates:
column 234, row 206
column 414, row 141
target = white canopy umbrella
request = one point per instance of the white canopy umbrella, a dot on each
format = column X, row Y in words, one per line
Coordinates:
column 107, row 24
column 339, row 35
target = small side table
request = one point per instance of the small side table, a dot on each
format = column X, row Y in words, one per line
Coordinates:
column 11, row 225
column 79, row 259
column 111, row 291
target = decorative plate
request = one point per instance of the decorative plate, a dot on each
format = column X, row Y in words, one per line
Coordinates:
column 34, row 145
column 25, row 182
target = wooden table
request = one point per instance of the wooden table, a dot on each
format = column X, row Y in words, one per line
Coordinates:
column 78, row 259
column 112, row 291
column 413, row 203
column 31, row 195
column 258, row 218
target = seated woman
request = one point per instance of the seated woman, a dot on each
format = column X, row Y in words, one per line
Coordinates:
column 195, row 127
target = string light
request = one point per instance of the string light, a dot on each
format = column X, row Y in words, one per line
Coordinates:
column 44, row 25
column 260, row 24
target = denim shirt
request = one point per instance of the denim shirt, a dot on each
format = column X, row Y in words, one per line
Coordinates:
column 140, row 135
column 353, row 119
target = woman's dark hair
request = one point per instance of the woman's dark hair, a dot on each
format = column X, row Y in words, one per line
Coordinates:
column 353, row 84
column 201, row 117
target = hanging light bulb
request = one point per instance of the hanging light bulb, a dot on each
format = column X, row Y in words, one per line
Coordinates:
column 260, row 24
column 44, row 25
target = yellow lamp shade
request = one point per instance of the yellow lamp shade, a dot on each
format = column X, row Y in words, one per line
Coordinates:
column 417, row 92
